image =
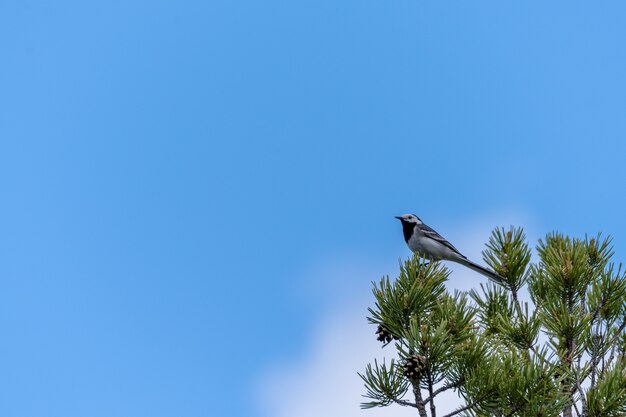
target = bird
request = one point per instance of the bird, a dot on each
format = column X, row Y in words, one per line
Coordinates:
column 429, row 244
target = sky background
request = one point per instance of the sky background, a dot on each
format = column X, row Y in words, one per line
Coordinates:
column 196, row 195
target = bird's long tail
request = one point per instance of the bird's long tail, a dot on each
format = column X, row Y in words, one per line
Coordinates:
column 480, row 269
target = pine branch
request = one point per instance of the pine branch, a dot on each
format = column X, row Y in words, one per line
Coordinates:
column 404, row 403
column 418, row 399
column 433, row 412
column 582, row 394
column 614, row 340
column 460, row 410
column 576, row 409
column 440, row 390
column 466, row 407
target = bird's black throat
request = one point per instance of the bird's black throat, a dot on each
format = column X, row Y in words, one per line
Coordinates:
column 407, row 229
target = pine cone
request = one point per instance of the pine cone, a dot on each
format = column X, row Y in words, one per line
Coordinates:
column 383, row 335
column 413, row 366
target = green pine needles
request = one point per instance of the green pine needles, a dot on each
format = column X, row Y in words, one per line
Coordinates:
column 562, row 354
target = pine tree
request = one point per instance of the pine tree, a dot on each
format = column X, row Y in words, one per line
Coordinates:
column 561, row 354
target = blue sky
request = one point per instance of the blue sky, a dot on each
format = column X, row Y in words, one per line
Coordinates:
column 179, row 178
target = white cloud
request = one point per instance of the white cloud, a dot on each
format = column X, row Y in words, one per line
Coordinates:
column 323, row 381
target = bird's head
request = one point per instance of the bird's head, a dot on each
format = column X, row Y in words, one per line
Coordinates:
column 409, row 219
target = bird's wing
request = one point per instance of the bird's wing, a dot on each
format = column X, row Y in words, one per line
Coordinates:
column 432, row 234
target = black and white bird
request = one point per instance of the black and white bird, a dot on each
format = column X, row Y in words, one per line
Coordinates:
column 429, row 244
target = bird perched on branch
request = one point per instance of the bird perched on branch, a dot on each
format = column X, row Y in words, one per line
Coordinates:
column 429, row 244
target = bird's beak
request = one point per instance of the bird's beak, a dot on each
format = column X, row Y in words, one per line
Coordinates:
column 398, row 217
